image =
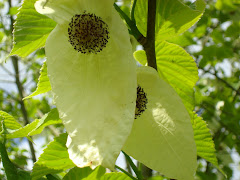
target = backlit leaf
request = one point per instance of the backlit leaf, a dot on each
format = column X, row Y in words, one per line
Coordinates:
column 54, row 158
column 172, row 17
column 37, row 126
column 43, row 85
column 30, row 30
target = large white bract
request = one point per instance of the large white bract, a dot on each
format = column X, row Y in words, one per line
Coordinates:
column 162, row 134
column 93, row 77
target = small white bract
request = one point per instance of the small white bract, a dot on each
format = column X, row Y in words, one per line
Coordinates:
column 162, row 134
column 93, row 77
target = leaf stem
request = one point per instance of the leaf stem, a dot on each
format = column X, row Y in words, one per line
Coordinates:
column 131, row 24
column 149, row 46
column 10, row 169
column 133, row 11
column 125, row 172
column 135, row 169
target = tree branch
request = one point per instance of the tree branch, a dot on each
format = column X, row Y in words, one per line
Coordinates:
column 223, row 81
column 149, row 46
column 23, row 108
column 6, row 70
column 20, row 89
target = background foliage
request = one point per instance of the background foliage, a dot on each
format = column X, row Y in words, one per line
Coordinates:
column 213, row 42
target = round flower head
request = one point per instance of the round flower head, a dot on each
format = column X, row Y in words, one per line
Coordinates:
column 93, row 77
column 162, row 134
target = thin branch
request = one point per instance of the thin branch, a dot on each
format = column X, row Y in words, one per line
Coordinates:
column 6, row 81
column 6, row 70
column 133, row 11
column 223, row 81
column 131, row 24
column 23, row 108
column 220, row 122
column 20, row 89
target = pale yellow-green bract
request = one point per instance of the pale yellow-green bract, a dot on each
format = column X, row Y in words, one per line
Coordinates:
column 162, row 136
column 94, row 93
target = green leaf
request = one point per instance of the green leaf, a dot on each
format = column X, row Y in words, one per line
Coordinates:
column 176, row 67
column 9, row 123
column 50, row 118
column 40, row 170
column 51, row 177
column 157, row 178
column 85, row 173
column 23, row 175
column 179, row 69
column 78, row 173
column 141, row 57
column 183, row 40
column 131, row 24
column 203, row 139
column 115, row 176
column 172, row 17
column 54, row 158
column 204, row 142
column 23, row 131
column 98, row 174
column 13, row 11
column 43, row 85
column 37, row 126
column 1, row 36
column 227, row 5
column 10, row 169
column 30, row 30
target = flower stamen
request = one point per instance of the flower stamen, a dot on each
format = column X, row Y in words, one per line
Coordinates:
column 141, row 102
column 88, row 33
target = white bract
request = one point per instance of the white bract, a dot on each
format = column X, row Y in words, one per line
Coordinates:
column 162, row 134
column 93, row 77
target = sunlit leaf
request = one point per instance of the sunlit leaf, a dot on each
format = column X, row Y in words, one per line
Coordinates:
column 50, row 118
column 40, row 170
column 43, row 85
column 177, row 67
column 54, row 158
column 23, row 131
column 172, row 17
column 9, row 123
column 37, row 126
column 115, row 176
column 85, row 173
column 30, row 30
column 204, row 142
